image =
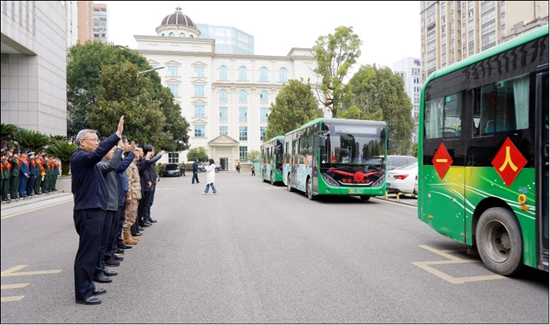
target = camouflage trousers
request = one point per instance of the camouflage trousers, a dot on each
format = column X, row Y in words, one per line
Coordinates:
column 131, row 214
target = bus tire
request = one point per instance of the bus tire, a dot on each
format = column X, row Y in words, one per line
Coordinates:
column 309, row 189
column 365, row 197
column 272, row 179
column 499, row 242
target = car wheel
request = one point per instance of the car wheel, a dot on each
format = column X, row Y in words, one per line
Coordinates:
column 217, row 170
column 499, row 242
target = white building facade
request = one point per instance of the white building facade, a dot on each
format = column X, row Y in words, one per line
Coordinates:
column 409, row 69
column 225, row 97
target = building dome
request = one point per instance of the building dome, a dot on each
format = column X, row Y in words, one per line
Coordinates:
column 178, row 18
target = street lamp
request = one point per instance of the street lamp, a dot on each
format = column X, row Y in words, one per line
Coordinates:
column 149, row 70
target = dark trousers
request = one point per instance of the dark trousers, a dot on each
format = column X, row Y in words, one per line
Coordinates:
column 141, row 205
column 149, row 197
column 107, row 226
column 37, row 184
column 117, row 241
column 195, row 177
column 5, row 189
column 112, row 235
column 89, row 225
column 30, row 184
column 22, row 186
column 14, row 187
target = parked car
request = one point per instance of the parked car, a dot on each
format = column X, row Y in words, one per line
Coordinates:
column 401, row 180
column 202, row 168
column 171, row 170
column 395, row 161
column 416, row 185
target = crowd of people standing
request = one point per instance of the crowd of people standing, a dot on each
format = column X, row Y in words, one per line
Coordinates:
column 26, row 173
column 113, row 185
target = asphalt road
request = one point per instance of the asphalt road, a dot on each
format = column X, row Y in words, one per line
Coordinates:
column 255, row 253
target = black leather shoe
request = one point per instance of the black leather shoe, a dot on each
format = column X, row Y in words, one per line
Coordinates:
column 89, row 301
column 99, row 291
column 137, row 234
column 151, row 220
column 100, row 277
column 108, row 272
column 146, row 224
column 118, row 258
column 119, row 251
column 111, row 262
column 140, row 229
column 124, row 246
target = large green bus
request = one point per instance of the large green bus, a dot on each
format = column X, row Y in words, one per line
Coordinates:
column 271, row 164
column 330, row 156
column 483, row 153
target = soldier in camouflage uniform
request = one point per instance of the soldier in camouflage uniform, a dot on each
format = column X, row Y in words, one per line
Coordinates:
column 132, row 200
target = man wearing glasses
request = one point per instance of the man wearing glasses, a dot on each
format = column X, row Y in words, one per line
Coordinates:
column 90, row 203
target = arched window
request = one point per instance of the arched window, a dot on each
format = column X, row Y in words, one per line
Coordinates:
column 242, row 96
column 223, row 73
column 171, row 34
column 282, row 75
column 162, row 34
column 182, row 34
column 263, row 74
column 190, row 36
column 223, row 95
column 242, row 73
column 263, row 97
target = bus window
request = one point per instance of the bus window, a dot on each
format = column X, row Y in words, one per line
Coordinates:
column 443, row 117
column 453, row 110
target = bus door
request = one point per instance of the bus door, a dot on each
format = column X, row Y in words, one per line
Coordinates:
column 295, row 163
column 542, row 167
column 444, row 166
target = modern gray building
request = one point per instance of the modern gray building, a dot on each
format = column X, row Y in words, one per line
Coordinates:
column 34, row 52
column 229, row 40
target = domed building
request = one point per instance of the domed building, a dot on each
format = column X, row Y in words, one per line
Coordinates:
column 224, row 97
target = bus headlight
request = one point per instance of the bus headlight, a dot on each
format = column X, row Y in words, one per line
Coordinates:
column 329, row 180
column 379, row 181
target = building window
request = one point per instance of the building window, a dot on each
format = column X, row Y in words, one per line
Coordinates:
column 223, row 130
column 173, row 157
column 171, row 34
column 263, row 97
column 263, row 74
column 262, row 133
column 182, row 35
column 199, row 71
column 223, row 114
column 264, row 112
column 243, row 97
column 223, row 95
column 199, row 90
column 173, row 70
column 243, row 151
column 282, row 75
column 199, row 131
column 242, row 114
column 199, row 110
column 174, row 89
column 242, row 74
column 243, row 133
column 223, row 73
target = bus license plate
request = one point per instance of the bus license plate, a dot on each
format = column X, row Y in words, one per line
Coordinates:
column 355, row 191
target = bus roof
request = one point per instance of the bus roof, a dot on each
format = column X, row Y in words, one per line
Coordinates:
column 279, row 137
column 336, row 120
column 515, row 42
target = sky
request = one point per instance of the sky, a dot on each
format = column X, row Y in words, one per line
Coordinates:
column 390, row 31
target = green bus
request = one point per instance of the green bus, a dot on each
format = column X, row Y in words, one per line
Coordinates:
column 271, row 164
column 483, row 153
column 330, row 156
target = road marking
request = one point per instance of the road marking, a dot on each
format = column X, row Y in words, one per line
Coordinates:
column 13, row 271
column 452, row 260
column 14, row 286
column 32, row 210
column 400, row 204
column 12, row 298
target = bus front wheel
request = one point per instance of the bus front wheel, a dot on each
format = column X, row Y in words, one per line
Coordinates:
column 309, row 189
column 365, row 197
column 272, row 178
column 288, row 187
column 499, row 242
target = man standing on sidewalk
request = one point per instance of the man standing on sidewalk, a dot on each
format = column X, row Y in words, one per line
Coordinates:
column 90, row 202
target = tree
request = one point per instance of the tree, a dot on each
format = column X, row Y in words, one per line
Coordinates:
column 335, row 54
column 7, row 133
column 253, row 155
column 30, row 139
column 294, row 105
column 195, row 153
column 379, row 94
column 63, row 150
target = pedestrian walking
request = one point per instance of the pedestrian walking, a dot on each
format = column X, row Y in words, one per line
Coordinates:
column 195, row 171
column 252, row 170
column 210, row 176
column 239, row 167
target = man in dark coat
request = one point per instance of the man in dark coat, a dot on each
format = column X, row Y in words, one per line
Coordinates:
column 195, row 171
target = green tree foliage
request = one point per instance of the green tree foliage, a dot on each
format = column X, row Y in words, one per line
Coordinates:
column 253, row 155
column 85, row 89
column 195, row 153
column 294, row 105
column 30, row 139
column 414, row 150
column 7, row 133
column 335, row 55
column 63, row 150
column 379, row 94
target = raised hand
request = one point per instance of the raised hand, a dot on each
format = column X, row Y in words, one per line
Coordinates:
column 149, row 155
column 133, row 146
column 120, row 126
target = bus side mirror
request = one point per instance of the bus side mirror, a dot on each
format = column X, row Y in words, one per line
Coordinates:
column 390, row 144
column 322, row 141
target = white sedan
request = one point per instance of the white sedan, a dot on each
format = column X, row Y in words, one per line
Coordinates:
column 401, row 179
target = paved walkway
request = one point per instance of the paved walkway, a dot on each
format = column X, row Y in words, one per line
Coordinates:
column 17, row 207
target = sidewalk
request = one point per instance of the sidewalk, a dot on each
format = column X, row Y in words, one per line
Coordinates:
column 16, row 207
